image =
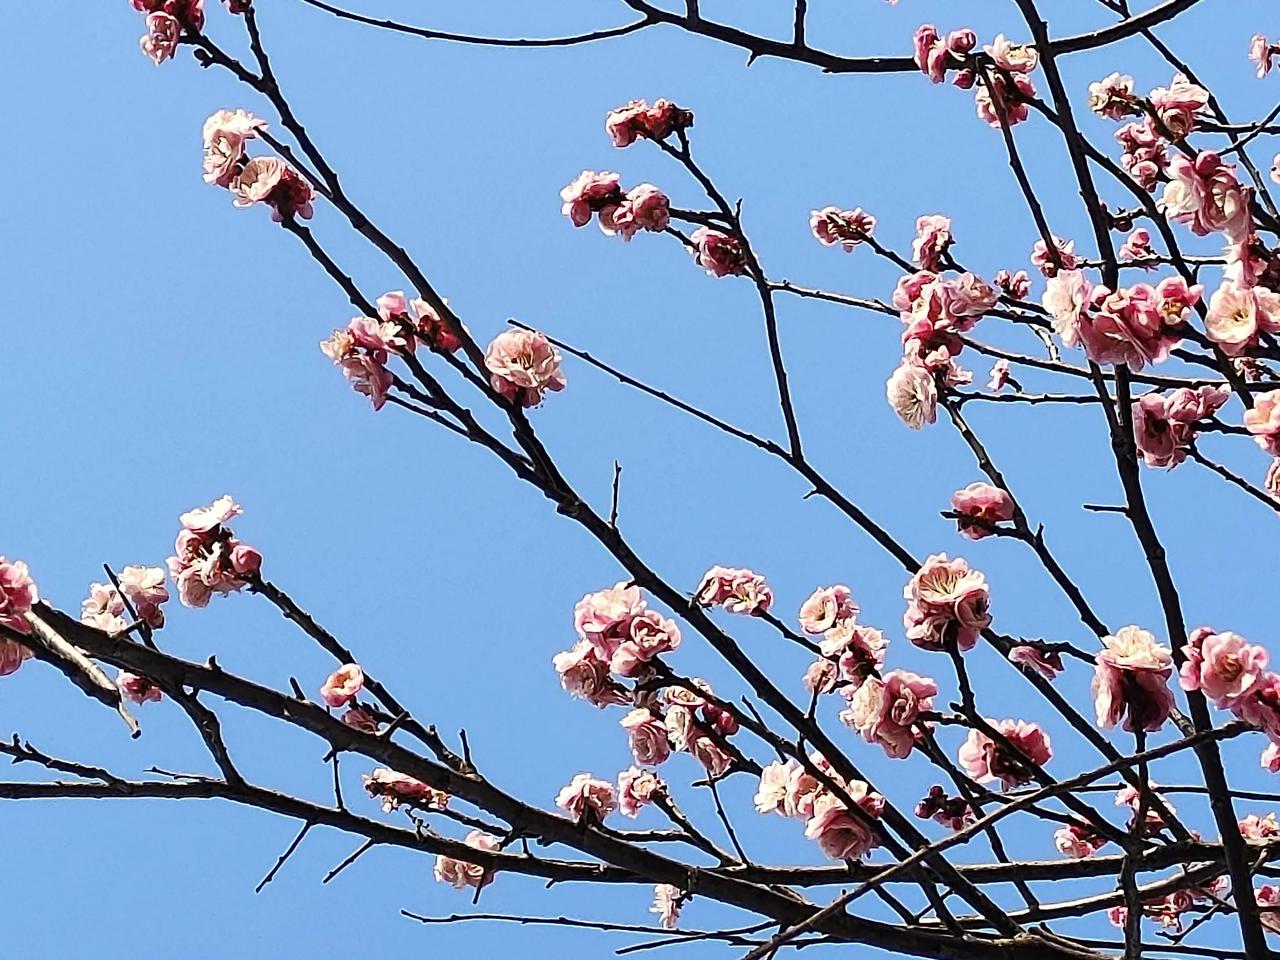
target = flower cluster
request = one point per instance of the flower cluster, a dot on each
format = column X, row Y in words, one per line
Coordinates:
column 886, row 710
column 1016, row 285
column 979, row 507
column 1168, row 114
column 954, row 813
column 1131, row 681
column 1134, row 325
column 639, row 121
column 850, row 651
column 209, row 559
column 587, row 799
column 1144, row 154
column 643, row 207
column 737, row 590
column 697, row 726
column 946, row 603
column 1168, row 910
column 791, row 790
column 462, row 873
column 523, row 365
column 1010, row 759
column 254, row 180
column 428, row 327
column 623, row 633
column 1204, row 194
column 849, row 228
column 1165, row 426
column 399, row 789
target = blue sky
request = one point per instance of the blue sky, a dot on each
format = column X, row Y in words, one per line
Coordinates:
column 160, row 350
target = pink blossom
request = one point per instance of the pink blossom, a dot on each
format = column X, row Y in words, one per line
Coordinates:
column 1177, row 106
column 604, row 617
column 1000, row 377
column 947, row 603
column 666, row 904
column 718, row 253
column 461, row 873
column 933, row 240
column 1129, row 326
column 590, row 193
column 18, row 593
column 714, row 758
column 428, row 326
column 1254, row 827
column 160, row 42
column 1270, row 758
column 998, row 105
column 885, row 711
column 1271, row 483
column 1144, row 156
column 524, row 365
column 952, row 812
column 1137, row 246
column 1268, row 898
column 736, row 589
column 981, row 501
column 638, row 120
column 648, row 635
column 1112, row 97
column 358, row 718
column 1204, row 194
column 12, row 654
column 647, row 736
column 1047, row 664
column 1238, row 314
column 208, row 519
column 1165, row 427
column 1047, row 264
column 1016, row 285
column 103, row 598
column 1154, row 814
column 343, row 685
column 145, row 589
column 397, row 788
column 931, row 54
column 825, row 607
column 858, row 651
column 775, row 784
column 986, row 759
column 1066, row 297
column 224, row 135
column 838, row 833
column 208, row 558
column 645, row 207
column 1131, row 681
column 831, row 225
column 585, row 675
column 636, row 788
column 1014, row 57
column 1077, row 841
column 913, row 395
column 137, row 689
column 587, row 799
column 1261, row 51
column 1263, row 421
column 271, row 181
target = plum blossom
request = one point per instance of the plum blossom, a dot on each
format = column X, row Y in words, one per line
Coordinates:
column 999, row 377
column 1077, row 841
column 1178, row 105
column 1134, row 325
column 647, row 736
column 1049, row 264
column 1137, row 246
column 396, row 789
column 1165, row 426
column 946, row 603
column 854, row 651
column 981, row 502
column 775, row 783
column 12, row 655
column 1254, row 827
column 208, row 557
column 738, row 590
column 1014, row 57
column 1112, row 97
column 103, row 608
column 931, row 53
column 1066, row 296
column 648, row 635
column 1268, row 897
column 1046, row 663
column 1144, row 155
column 849, row 228
column 343, row 685
column 18, row 594
column 644, row 207
column 1016, row 285
column 885, row 711
column 604, row 618
column 365, row 369
column 986, row 759
column 585, row 675
column 826, row 607
column 587, row 799
column 144, row 587
column 461, row 873
column 637, row 120
column 1261, row 53
column 590, row 193
column 160, row 42
column 1238, row 314
column 137, row 689
column 271, row 181
column 933, row 240
column 358, row 718
column 428, row 326
column 1271, row 482
column 838, row 832
column 636, row 788
column 1131, row 681
column 720, row 254
column 998, row 105
column 913, row 395
column 1263, row 421
column 1224, row 666
column 952, row 812
column 523, row 365
column 666, row 904
column 1204, row 194
column 225, row 133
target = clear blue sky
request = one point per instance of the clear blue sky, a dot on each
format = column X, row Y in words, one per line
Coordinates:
column 160, row 349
